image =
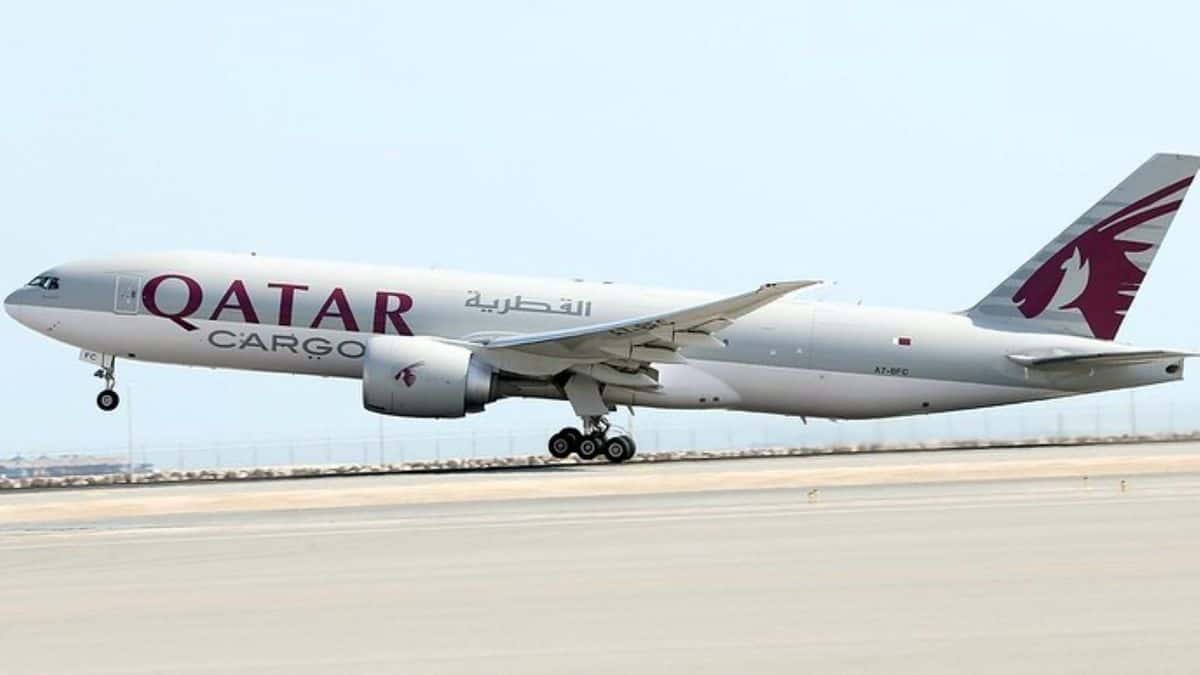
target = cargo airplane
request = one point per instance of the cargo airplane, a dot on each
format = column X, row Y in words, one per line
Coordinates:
column 431, row 343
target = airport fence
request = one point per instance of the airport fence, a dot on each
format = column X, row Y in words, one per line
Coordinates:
column 713, row 432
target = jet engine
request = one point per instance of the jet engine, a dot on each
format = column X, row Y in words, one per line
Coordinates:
column 421, row 377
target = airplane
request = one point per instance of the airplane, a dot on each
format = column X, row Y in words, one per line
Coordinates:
column 430, row 343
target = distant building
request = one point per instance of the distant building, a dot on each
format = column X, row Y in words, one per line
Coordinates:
column 67, row 465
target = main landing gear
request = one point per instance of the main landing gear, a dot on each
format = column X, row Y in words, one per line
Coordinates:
column 592, row 442
column 108, row 400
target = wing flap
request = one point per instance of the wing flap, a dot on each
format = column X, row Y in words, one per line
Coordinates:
column 631, row 338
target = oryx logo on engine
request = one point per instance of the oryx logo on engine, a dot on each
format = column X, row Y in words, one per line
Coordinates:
column 408, row 374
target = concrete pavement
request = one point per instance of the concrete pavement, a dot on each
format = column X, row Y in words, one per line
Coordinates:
column 1022, row 568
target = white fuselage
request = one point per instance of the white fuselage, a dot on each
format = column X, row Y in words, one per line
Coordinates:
column 795, row 358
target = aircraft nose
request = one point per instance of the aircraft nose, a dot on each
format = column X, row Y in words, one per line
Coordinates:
column 13, row 306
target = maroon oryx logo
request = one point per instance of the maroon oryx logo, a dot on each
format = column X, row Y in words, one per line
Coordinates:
column 408, row 374
column 1106, row 278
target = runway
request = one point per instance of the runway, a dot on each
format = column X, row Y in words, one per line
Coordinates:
column 941, row 562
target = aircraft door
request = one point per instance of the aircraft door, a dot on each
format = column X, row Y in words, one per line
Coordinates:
column 126, row 300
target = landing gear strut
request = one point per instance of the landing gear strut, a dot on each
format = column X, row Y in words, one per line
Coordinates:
column 108, row 400
column 592, row 441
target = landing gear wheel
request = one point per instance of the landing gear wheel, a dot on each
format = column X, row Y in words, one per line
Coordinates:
column 564, row 443
column 574, row 435
column 108, row 400
column 618, row 449
column 590, row 446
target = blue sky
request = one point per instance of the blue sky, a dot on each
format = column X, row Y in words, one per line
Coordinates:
column 914, row 153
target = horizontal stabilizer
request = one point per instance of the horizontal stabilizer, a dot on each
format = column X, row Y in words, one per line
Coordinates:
column 1099, row 359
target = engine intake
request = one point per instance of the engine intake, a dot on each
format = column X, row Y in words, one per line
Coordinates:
column 421, row 377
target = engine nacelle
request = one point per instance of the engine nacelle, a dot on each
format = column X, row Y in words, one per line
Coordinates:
column 421, row 377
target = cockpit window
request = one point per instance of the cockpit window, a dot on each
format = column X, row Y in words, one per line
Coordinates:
column 46, row 283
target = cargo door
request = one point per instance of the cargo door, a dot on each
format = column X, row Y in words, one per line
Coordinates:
column 126, row 300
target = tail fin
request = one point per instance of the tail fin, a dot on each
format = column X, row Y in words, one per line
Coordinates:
column 1083, row 282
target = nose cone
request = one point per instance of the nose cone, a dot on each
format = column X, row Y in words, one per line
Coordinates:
column 14, row 307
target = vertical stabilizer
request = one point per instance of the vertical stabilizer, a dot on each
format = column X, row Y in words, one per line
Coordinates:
column 1084, row 281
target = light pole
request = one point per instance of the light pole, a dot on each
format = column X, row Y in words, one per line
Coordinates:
column 1132, row 413
column 381, row 462
column 129, row 428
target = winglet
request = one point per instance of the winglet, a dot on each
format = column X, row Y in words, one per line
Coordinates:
column 768, row 293
column 789, row 286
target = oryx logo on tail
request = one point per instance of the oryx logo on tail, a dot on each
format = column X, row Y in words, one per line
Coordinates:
column 1083, row 281
column 1094, row 272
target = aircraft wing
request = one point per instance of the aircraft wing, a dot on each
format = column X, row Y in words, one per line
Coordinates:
column 654, row 338
column 1099, row 359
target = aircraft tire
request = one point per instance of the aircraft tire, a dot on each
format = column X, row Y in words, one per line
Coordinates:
column 564, row 443
column 590, row 446
column 618, row 449
column 108, row 400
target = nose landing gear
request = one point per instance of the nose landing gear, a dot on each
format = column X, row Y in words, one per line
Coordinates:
column 592, row 442
column 108, row 400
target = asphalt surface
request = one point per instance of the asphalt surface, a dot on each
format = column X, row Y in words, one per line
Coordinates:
column 993, row 562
